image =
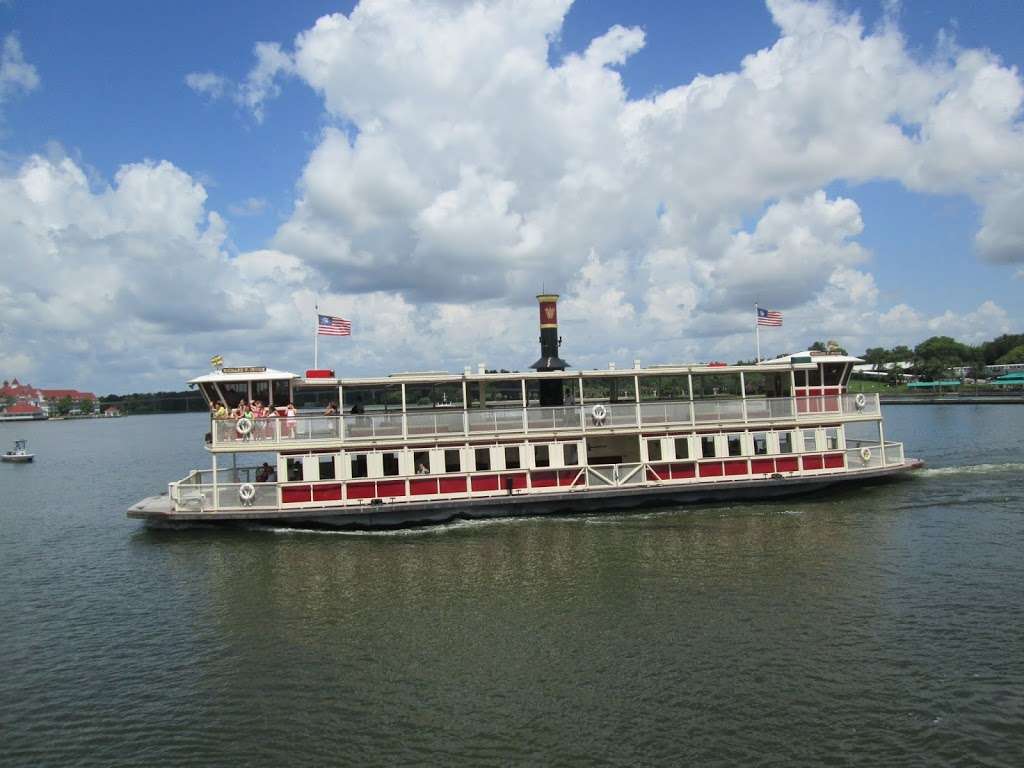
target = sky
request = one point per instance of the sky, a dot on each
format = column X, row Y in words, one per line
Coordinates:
column 191, row 179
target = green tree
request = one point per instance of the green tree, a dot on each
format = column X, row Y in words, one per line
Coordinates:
column 1015, row 355
column 877, row 356
column 64, row 406
column 901, row 354
column 818, row 346
column 86, row 406
column 934, row 357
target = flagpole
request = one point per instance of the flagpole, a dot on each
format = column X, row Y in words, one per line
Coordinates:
column 757, row 334
column 316, row 336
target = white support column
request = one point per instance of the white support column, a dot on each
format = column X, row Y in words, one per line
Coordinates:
column 881, row 440
column 465, row 410
column 636, row 399
column 216, row 498
column 743, row 397
column 405, row 431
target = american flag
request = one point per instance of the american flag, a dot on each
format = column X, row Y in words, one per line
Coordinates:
column 333, row 326
column 768, row 317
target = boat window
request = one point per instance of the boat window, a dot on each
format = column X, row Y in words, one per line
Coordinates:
column 810, row 440
column 712, row 385
column 541, row 457
column 682, row 448
column 512, row 457
column 390, row 460
column 654, row 450
column 785, row 442
column 294, row 467
column 707, row 446
column 327, row 467
column 760, row 443
column 611, row 389
column 358, row 461
column 483, row 458
column 495, row 393
column 211, row 393
column 833, row 373
column 421, row 462
column 261, row 391
column 452, row 460
column 378, row 397
column 280, row 391
column 735, row 443
column 314, row 397
column 444, row 394
column 664, row 387
column 234, row 391
column 570, row 454
column 831, row 438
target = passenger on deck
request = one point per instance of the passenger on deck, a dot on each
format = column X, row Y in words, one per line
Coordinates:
column 357, row 407
column 330, row 410
column 421, row 469
column 289, row 424
column 220, row 410
column 264, row 473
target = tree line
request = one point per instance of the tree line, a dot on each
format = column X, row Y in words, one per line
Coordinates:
column 934, row 357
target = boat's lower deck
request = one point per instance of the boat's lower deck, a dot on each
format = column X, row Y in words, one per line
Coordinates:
column 159, row 509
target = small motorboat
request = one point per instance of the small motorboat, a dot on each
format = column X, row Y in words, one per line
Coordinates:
column 19, row 455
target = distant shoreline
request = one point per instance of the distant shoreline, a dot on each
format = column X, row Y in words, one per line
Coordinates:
column 951, row 399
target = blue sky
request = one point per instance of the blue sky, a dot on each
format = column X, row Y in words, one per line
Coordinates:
column 432, row 241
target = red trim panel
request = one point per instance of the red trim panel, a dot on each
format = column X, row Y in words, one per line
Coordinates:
column 327, row 492
column 543, row 479
column 710, row 469
column 423, row 487
column 664, row 472
column 735, row 467
column 834, row 461
column 683, row 471
column 566, row 477
column 812, row 462
column 787, row 465
column 292, row 494
column 360, row 490
column 453, row 485
column 762, row 466
column 386, row 488
column 485, row 483
column 518, row 481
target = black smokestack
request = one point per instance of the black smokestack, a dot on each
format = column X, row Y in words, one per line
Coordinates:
column 550, row 391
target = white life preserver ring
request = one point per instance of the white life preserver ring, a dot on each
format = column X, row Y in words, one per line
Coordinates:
column 860, row 401
column 243, row 426
column 599, row 413
column 865, row 455
column 247, row 492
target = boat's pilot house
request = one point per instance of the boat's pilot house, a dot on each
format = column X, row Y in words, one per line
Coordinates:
column 232, row 385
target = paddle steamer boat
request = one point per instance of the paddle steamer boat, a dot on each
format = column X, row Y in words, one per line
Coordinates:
column 429, row 447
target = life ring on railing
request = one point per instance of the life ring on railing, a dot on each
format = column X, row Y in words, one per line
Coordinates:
column 247, row 492
column 860, row 401
column 243, row 426
column 599, row 413
column 865, row 455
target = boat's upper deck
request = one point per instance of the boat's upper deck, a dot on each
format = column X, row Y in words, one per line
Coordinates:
column 414, row 407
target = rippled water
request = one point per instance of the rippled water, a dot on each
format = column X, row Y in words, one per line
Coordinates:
column 881, row 626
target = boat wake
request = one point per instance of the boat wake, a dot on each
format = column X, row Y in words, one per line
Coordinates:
column 974, row 469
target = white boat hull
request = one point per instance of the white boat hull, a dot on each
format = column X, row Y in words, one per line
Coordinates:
column 157, row 509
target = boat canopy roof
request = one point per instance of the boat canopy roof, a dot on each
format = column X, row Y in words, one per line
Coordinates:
column 811, row 356
column 250, row 373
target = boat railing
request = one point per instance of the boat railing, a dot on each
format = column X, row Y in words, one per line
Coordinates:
column 198, row 493
column 266, row 433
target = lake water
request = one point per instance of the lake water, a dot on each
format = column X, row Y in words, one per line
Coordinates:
column 880, row 626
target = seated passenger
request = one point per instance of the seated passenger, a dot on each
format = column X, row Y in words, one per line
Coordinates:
column 264, row 473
